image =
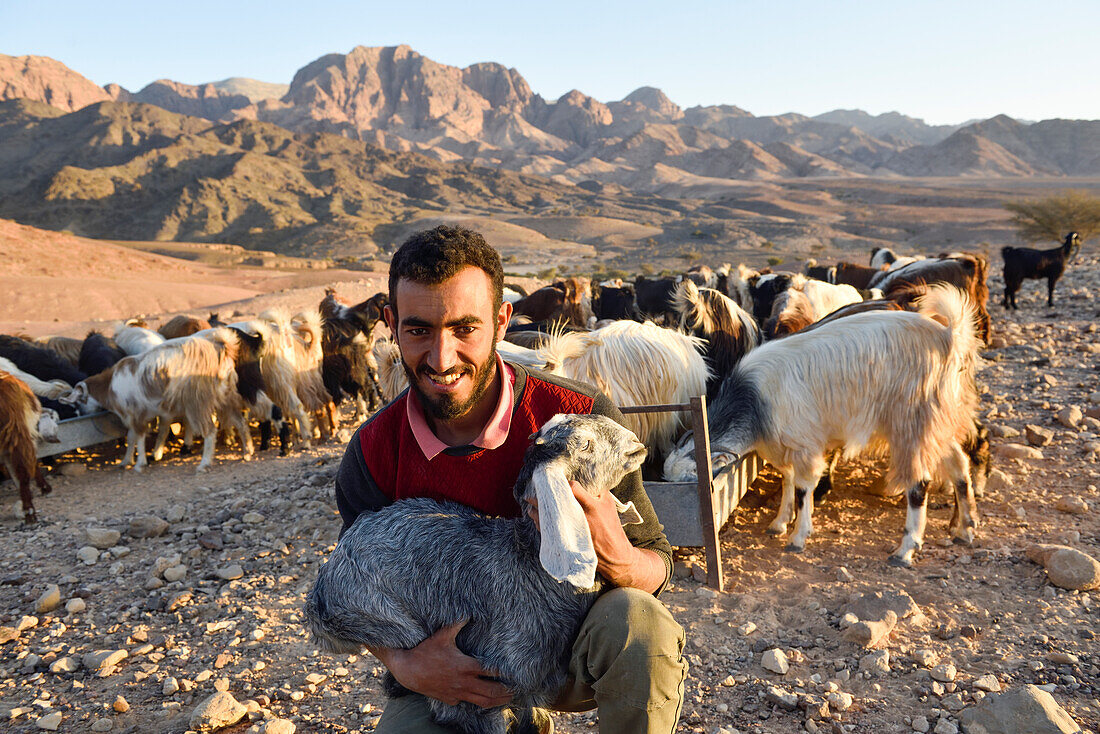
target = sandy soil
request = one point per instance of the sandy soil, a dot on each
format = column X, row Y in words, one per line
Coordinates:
column 986, row 609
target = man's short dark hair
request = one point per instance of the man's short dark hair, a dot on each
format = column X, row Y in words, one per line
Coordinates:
column 432, row 256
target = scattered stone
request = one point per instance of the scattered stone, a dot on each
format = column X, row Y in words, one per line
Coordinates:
column 844, row 576
column 1000, row 431
column 170, row 686
column 1069, row 416
column 100, row 659
column 279, row 726
column 175, row 513
column 76, row 605
column 147, row 526
column 87, row 555
column 944, row 726
column 998, row 481
column 230, row 572
column 252, row 518
column 1063, row 658
column 1038, row 436
column 1017, row 451
column 175, row 573
column 26, row 622
column 120, row 705
column 877, row 662
column 988, row 682
column 839, row 700
column 746, row 629
column 848, row 620
column 102, row 538
column 780, row 697
column 924, row 657
column 103, row 725
column 1067, row 567
column 944, row 672
column 49, row 722
column 50, row 600
column 1072, row 504
column 775, row 661
column 7, row 634
column 212, row 540
column 921, row 724
column 218, row 711
column 875, row 605
column 1023, row 709
column 65, row 665
column 870, row 633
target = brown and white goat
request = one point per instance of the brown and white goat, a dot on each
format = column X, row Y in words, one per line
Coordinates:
column 966, row 271
column 23, row 423
column 184, row 379
column 181, row 326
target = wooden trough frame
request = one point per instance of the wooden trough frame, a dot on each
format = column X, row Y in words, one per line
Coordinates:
column 694, row 512
column 85, row 430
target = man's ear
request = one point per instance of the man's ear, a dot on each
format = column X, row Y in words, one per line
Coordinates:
column 391, row 319
column 503, row 317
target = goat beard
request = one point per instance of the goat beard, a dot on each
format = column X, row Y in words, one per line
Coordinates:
column 446, row 407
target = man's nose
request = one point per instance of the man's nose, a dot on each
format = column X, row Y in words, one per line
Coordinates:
column 442, row 356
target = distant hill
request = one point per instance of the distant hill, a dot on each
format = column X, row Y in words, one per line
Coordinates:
column 488, row 115
column 43, row 79
column 254, row 89
column 138, row 172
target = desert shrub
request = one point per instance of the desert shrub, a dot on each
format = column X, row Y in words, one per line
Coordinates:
column 773, row 261
column 1052, row 217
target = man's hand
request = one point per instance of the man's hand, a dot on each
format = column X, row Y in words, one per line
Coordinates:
column 436, row 668
column 617, row 560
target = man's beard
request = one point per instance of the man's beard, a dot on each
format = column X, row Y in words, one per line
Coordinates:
column 447, row 407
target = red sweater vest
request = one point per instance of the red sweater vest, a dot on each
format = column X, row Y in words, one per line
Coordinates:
column 483, row 479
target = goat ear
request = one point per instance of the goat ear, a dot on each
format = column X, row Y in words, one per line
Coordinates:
column 566, row 550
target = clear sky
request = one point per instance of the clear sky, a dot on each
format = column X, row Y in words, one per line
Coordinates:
column 942, row 60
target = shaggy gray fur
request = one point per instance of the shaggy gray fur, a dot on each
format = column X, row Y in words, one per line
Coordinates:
column 400, row 574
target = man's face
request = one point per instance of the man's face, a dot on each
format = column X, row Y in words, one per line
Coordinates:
column 447, row 334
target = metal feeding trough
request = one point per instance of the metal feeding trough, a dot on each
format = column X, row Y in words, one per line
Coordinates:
column 82, row 431
column 694, row 512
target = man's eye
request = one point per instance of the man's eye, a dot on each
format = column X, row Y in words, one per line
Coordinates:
column 464, row 330
column 416, row 332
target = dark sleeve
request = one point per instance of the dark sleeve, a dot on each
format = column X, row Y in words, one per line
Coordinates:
column 356, row 491
column 649, row 534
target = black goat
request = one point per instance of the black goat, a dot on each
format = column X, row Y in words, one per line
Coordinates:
column 98, row 353
column 615, row 303
column 38, row 361
column 1023, row 262
column 654, row 298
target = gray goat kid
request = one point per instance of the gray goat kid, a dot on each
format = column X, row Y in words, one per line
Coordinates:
column 400, row 574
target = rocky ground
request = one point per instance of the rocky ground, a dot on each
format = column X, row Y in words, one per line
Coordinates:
column 140, row 597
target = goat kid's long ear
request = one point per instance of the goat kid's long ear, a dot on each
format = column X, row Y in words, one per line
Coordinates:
column 566, row 550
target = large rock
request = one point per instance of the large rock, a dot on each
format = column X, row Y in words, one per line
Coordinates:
column 871, row 633
column 102, row 538
column 99, row 659
column 1017, row 451
column 1038, row 436
column 775, row 661
column 1067, row 567
column 1024, row 709
column 217, row 712
column 147, row 526
column 49, row 600
column 873, row 606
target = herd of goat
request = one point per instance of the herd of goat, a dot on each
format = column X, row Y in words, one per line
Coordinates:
column 800, row 367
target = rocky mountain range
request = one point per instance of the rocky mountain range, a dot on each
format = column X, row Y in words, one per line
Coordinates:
column 487, row 114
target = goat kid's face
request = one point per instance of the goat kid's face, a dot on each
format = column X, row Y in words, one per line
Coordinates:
column 593, row 451
column 80, row 399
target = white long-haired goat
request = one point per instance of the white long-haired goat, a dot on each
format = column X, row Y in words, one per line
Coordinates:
column 634, row 364
column 886, row 379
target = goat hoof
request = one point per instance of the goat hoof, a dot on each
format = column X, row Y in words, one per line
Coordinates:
column 773, row 530
column 966, row 538
column 794, row 548
column 899, row 562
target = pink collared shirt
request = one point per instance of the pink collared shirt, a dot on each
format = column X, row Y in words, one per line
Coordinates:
column 491, row 437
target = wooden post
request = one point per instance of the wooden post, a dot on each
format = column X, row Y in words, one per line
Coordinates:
column 707, row 519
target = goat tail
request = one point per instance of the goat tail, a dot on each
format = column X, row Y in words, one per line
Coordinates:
column 951, row 307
